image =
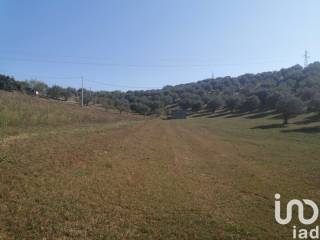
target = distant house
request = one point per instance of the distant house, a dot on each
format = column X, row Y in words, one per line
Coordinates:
column 178, row 114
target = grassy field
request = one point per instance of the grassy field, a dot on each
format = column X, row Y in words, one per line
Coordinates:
column 208, row 177
column 21, row 110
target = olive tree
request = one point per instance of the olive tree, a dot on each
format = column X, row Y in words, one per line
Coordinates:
column 289, row 106
column 315, row 104
column 251, row 103
column 214, row 104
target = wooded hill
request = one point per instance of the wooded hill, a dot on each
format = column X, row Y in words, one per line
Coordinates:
column 290, row 91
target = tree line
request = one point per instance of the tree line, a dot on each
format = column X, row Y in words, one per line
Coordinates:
column 290, row 91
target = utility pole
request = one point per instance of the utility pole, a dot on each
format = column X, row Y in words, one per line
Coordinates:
column 306, row 58
column 81, row 91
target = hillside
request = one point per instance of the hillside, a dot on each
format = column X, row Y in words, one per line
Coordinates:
column 92, row 173
column 246, row 93
column 22, row 110
column 295, row 88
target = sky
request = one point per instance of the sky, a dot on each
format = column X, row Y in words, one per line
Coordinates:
column 145, row 44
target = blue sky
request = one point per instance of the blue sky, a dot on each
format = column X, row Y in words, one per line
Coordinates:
column 140, row 44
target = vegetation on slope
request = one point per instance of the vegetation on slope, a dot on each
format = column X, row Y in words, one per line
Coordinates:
column 19, row 110
column 290, row 91
column 101, row 182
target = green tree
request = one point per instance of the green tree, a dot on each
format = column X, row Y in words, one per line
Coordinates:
column 39, row 86
column 122, row 106
column 289, row 106
column 140, row 108
column 196, row 105
column 251, row 103
column 8, row 83
column 315, row 104
column 55, row 92
column 234, row 102
column 214, row 104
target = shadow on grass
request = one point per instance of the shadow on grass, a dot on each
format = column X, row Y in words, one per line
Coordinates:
column 237, row 114
column 310, row 119
column 256, row 114
column 303, row 130
column 269, row 126
column 261, row 114
column 278, row 116
column 202, row 114
column 221, row 114
column 228, row 114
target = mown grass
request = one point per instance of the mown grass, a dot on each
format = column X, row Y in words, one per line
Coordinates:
column 92, row 183
column 278, row 159
column 203, row 178
column 295, row 146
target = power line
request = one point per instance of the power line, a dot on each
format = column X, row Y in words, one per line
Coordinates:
column 50, row 77
column 25, row 56
column 48, row 56
column 40, row 77
column 122, row 86
column 36, row 76
column 306, row 56
column 31, row 56
column 106, row 64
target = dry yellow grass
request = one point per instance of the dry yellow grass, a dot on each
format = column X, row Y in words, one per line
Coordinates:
column 20, row 110
column 202, row 178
